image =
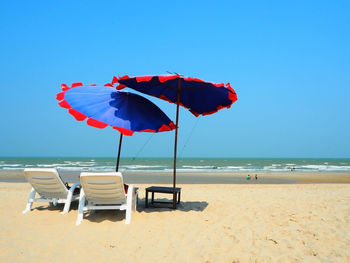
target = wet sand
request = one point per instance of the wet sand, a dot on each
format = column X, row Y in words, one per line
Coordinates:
column 202, row 178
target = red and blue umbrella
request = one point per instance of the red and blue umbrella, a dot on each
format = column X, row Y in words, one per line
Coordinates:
column 198, row 96
column 104, row 106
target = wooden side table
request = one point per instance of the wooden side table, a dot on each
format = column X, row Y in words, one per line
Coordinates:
column 163, row 190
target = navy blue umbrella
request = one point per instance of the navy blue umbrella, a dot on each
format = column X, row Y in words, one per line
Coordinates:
column 198, row 96
column 104, row 106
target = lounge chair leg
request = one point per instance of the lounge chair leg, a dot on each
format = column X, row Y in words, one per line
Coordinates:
column 81, row 208
column 67, row 203
column 135, row 202
column 30, row 201
column 69, row 199
column 129, row 202
column 128, row 216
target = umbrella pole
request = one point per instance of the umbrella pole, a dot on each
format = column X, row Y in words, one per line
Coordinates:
column 175, row 147
column 120, row 146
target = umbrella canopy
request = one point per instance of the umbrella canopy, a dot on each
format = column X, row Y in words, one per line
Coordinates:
column 104, row 106
column 200, row 97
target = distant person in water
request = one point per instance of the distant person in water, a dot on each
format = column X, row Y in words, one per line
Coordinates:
column 256, row 177
column 248, row 177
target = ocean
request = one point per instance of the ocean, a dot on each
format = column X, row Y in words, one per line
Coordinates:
column 183, row 165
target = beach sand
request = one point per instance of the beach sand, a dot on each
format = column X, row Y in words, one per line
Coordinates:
column 214, row 223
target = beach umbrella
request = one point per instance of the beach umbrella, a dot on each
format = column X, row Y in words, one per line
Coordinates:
column 198, row 96
column 104, row 106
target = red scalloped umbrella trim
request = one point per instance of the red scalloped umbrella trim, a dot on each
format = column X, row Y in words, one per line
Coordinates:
column 116, row 80
column 164, row 128
column 232, row 97
column 166, row 78
column 77, row 114
column 76, row 84
column 64, row 87
column 143, row 78
column 164, row 98
column 196, row 114
column 193, row 79
column 172, row 125
column 147, row 78
column 147, row 130
column 214, row 111
column 97, row 124
column 120, row 87
column 60, row 96
column 64, row 104
column 124, row 131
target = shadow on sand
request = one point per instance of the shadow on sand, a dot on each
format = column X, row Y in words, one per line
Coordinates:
column 119, row 216
column 59, row 207
column 166, row 206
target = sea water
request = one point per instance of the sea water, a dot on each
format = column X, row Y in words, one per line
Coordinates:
column 183, row 164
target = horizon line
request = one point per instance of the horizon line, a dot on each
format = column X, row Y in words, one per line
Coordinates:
column 167, row 157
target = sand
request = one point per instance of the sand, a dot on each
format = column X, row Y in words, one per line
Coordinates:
column 214, row 223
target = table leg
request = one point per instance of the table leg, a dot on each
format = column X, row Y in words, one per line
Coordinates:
column 152, row 197
column 174, row 200
column 146, row 201
column 178, row 201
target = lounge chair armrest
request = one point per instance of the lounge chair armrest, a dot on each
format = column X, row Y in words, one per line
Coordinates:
column 73, row 187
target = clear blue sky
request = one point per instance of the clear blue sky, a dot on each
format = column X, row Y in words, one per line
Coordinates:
column 289, row 62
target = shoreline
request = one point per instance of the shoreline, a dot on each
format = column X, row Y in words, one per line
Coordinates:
column 153, row 177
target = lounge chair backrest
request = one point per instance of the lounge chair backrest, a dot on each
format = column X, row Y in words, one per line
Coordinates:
column 46, row 182
column 103, row 188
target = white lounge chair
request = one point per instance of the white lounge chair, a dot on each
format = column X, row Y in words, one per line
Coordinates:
column 102, row 191
column 50, row 187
